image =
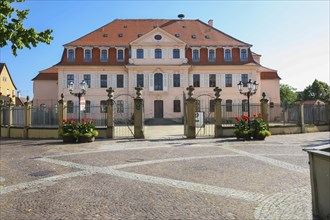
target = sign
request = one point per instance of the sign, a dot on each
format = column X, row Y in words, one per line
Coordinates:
column 199, row 119
column 82, row 104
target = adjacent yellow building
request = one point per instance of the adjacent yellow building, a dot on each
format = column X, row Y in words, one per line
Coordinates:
column 7, row 86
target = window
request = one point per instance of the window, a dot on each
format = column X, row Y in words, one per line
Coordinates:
column 176, row 53
column 140, row 80
column 4, row 79
column 229, row 80
column 243, row 55
column 176, row 106
column 229, row 105
column 212, row 80
column 69, row 107
column 103, row 106
column 158, row 54
column 120, row 106
column 158, row 82
column 104, row 81
column 196, row 80
column 88, row 55
column 212, row 105
column 158, row 37
column 245, row 79
column 244, row 105
column 120, row 81
column 87, row 79
column 211, row 55
column 69, row 79
column 120, row 55
column 198, row 106
column 139, row 54
column 227, row 55
column 176, row 80
column 195, row 57
column 104, row 55
column 88, row 106
column 71, row 55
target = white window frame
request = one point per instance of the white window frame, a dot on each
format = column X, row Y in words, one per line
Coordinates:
column 208, row 54
column 117, row 51
column 192, row 54
column 91, row 49
column 240, row 54
column 231, row 54
column 107, row 49
column 74, row 53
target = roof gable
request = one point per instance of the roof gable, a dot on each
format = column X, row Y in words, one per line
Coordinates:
column 4, row 67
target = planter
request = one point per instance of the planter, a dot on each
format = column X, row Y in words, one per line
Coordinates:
column 83, row 139
column 69, row 139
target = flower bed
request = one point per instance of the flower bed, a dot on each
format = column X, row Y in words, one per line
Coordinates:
column 257, row 129
column 73, row 131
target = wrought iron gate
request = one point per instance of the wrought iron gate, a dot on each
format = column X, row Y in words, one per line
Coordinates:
column 124, row 115
column 205, row 115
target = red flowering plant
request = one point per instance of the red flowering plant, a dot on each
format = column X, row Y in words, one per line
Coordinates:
column 242, row 129
column 87, row 128
column 70, row 128
column 258, row 129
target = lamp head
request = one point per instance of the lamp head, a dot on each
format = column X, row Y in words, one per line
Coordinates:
column 83, row 86
column 71, row 86
column 239, row 86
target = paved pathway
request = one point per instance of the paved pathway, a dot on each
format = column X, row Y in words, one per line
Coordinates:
column 167, row 178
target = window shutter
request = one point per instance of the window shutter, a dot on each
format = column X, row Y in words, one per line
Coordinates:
column 171, row 82
column 181, row 80
column 114, row 80
column 250, row 76
column 93, row 81
column 151, row 82
column 165, row 82
column 77, row 80
column 135, row 80
column 218, row 80
column 97, row 81
column 206, row 80
column 64, row 81
column 125, row 80
column 202, row 80
column 190, row 79
column 236, row 78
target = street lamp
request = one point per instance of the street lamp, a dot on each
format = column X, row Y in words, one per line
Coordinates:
column 252, row 89
column 83, row 90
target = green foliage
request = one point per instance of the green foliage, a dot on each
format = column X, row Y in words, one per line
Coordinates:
column 288, row 94
column 69, row 127
column 258, row 129
column 318, row 90
column 12, row 29
column 84, row 128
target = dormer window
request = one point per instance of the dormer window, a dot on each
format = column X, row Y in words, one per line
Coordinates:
column 120, row 35
column 125, row 26
column 120, row 55
column 177, row 35
column 88, row 55
column 193, row 36
column 104, row 55
column 195, row 55
column 227, row 55
column 244, row 57
column 105, row 35
column 71, row 55
column 211, row 55
column 139, row 35
column 207, row 37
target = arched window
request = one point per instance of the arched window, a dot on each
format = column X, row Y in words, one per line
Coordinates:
column 104, row 56
column 158, row 82
column 229, row 105
column 195, row 57
column 120, row 55
column 88, row 55
column 227, row 55
column 71, row 55
column 211, row 55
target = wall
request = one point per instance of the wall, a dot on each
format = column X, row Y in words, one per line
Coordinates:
column 45, row 92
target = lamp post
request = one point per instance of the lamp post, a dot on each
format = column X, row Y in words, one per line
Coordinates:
column 252, row 89
column 83, row 90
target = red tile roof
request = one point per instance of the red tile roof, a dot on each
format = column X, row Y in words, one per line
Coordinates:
column 47, row 74
column 269, row 75
column 108, row 35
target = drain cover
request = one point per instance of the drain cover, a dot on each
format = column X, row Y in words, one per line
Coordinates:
column 132, row 160
column 42, row 173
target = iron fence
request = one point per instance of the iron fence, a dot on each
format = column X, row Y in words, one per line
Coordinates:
column 18, row 116
column 230, row 112
column 44, row 116
column 4, row 116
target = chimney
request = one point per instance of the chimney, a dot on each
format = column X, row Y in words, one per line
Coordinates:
column 210, row 22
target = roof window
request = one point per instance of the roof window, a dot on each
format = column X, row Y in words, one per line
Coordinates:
column 139, row 35
column 120, row 35
column 125, row 26
column 207, row 36
column 193, row 36
column 184, row 26
column 105, row 35
column 177, row 35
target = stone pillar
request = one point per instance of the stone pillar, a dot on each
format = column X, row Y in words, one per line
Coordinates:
column 301, row 116
column 27, row 112
column 138, row 114
column 327, row 109
column 264, row 109
column 218, row 132
column 10, row 115
column 110, row 121
column 62, row 113
column 318, row 113
column 191, row 112
column 2, row 104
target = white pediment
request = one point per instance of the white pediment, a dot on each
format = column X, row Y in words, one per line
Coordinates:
column 157, row 37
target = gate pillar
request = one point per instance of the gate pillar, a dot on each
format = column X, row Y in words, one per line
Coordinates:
column 191, row 112
column 110, row 122
column 62, row 113
column 218, row 132
column 138, row 114
column 27, row 112
column 264, row 108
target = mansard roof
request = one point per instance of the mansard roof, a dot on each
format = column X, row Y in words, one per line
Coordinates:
column 47, row 74
column 121, row 32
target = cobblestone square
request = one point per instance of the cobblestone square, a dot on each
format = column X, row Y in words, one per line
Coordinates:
column 170, row 178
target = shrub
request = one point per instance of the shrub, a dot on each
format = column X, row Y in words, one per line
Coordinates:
column 258, row 129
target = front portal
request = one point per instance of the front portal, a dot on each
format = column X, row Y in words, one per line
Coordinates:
column 158, row 109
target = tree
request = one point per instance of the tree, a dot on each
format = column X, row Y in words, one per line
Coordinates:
column 12, row 29
column 288, row 94
column 318, row 90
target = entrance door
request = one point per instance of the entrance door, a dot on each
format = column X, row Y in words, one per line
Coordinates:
column 159, row 110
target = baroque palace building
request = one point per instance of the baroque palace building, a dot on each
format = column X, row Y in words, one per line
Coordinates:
column 164, row 57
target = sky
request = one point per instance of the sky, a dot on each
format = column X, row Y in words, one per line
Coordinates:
column 292, row 36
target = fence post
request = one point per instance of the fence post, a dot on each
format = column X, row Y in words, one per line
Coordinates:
column 110, row 122
column 62, row 114
column 218, row 132
column 191, row 111
column 264, row 109
column 27, row 121
column 138, row 114
column 2, row 104
column 10, row 115
column 302, row 116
